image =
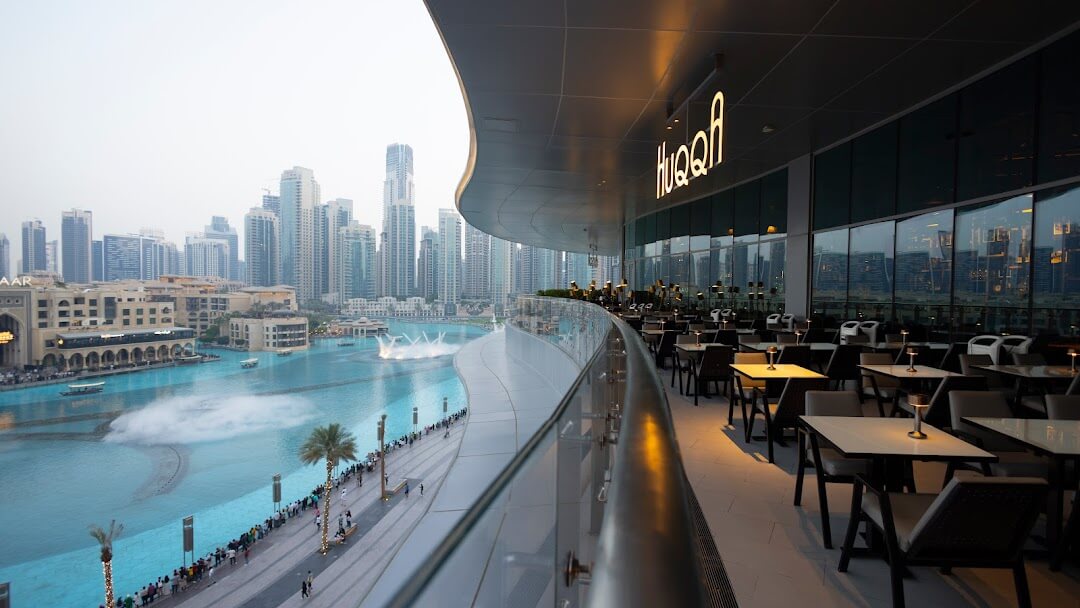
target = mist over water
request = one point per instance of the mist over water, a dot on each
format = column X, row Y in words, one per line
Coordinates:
column 419, row 347
column 203, row 418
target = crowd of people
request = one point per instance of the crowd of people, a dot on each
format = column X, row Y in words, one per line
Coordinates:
column 205, row 568
column 12, row 376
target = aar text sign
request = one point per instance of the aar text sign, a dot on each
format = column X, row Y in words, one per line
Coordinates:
column 687, row 162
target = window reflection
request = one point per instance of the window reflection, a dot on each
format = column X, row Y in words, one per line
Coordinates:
column 770, row 264
column 700, row 277
column 829, row 282
column 870, row 270
column 993, row 254
column 1057, row 260
column 924, row 267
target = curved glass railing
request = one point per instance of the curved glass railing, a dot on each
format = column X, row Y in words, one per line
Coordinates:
column 595, row 509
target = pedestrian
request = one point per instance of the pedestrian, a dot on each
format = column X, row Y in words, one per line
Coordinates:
column 310, row 582
column 247, row 553
column 343, row 490
column 406, row 489
column 304, row 588
column 421, row 489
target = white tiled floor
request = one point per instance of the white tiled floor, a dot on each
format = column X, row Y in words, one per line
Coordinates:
column 773, row 550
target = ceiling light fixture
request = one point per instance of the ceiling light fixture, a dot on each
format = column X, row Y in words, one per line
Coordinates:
column 767, row 129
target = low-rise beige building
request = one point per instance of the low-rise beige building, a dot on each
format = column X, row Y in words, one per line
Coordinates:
column 277, row 332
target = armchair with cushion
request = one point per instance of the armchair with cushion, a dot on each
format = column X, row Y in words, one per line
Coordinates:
column 785, row 412
column 1013, row 460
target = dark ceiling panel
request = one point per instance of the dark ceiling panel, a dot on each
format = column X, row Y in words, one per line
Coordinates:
column 821, row 68
column 1010, row 20
column 617, row 63
column 507, row 60
column 743, row 124
column 888, row 18
column 770, row 16
column 501, row 12
column 592, row 117
column 619, row 14
column 530, row 113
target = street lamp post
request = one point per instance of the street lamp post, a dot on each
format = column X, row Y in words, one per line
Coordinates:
column 415, row 418
column 444, row 407
column 382, row 457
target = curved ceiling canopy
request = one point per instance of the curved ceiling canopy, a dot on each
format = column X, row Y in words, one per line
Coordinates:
column 569, row 100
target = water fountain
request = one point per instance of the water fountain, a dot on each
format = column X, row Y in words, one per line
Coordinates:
column 421, row 347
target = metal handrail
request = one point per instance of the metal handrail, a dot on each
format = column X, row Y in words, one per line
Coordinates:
column 646, row 553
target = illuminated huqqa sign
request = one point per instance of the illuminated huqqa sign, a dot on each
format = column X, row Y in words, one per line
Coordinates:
column 686, row 162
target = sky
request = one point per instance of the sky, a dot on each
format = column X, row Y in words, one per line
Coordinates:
column 161, row 114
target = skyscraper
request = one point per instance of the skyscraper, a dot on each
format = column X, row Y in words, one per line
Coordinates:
column 272, row 203
column 477, row 269
column 398, row 251
column 5, row 256
column 52, row 256
column 33, row 246
column 262, row 247
column 501, row 277
column 427, row 274
column 356, row 263
column 299, row 194
column 577, row 269
column 76, row 232
column 449, row 259
column 220, row 229
column 97, row 260
column 206, row 257
column 123, row 257
column 330, row 218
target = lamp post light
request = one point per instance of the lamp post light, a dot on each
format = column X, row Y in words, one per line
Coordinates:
column 382, row 457
column 772, row 354
column 919, row 402
column 911, row 359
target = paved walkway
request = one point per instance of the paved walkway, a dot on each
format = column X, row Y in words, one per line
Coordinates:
column 280, row 561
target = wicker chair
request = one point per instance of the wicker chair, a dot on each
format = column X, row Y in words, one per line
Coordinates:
column 975, row 522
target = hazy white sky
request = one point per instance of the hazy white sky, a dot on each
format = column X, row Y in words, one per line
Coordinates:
column 160, row 114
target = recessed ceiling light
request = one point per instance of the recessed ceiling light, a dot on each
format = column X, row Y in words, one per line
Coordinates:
column 669, row 127
column 676, row 121
column 766, row 129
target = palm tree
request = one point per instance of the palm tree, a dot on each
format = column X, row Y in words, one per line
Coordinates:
column 105, row 538
column 336, row 445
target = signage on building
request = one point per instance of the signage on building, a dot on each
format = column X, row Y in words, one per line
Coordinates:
column 6, row 336
column 687, row 162
column 16, row 282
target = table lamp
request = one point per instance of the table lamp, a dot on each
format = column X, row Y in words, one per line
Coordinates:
column 919, row 402
column 772, row 354
column 903, row 336
column 697, row 337
column 1072, row 355
column 911, row 358
column 798, row 336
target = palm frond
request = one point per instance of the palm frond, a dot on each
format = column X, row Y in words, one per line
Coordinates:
column 331, row 442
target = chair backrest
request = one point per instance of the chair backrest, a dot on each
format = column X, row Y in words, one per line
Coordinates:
column 795, row 354
column 870, row 329
column 849, row 328
column 861, row 339
column 697, row 327
column 979, row 519
column 877, row 359
column 715, row 314
column 894, row 338
column 844, row 363
column 749, row 339
column 984, row 404
column 728, row 336
column 667, row 343
column 788, row 321
column 792, row 403
column 773, row 319
column 951, row 361
column 1074, row 386
column 937, row 413
column 816, row 334
column 1063, row 407
column 715, row 363
column 650, row 325
column 833, row 403
column 1019, row 358
column 757, row 324
column 753, row 359
column 786, row 339
column 685, row 338
column 967, row 367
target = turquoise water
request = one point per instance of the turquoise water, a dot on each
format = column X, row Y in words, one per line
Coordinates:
column 203, row 440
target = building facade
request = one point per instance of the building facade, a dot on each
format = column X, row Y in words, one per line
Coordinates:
column 5, row 256
column 449, row 259
column 476, row 271
column 427, row 264
column 262, row 247
column 33, row 247
column 270, row 333
column 356, row 263
column 299, row 195
column 76, row 233
column 206, row 257
column 397, row 257
column 219, row 229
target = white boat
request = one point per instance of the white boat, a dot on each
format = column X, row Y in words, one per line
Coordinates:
column 88, row 388
column 188, row 359
column 346, row 343
column 249, row 363
column 284, row 353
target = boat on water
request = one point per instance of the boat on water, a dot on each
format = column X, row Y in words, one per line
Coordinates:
column 346, row 343
column 88, row 388
column 188, row 359
column 249, row 363
column 284, row 353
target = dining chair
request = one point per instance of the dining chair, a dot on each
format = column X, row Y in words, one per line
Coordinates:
column 728, row 336
column 665, row 348
column 937, row 414
column 829, row 465
column 1039, row 403
column 715, row 367
column 950, row 362
column 1063, row 407
column 844, row 365
column 681, row 363
column 795, row 354
column 1013, row 460
column 785, row 412
column 975, row 522
column 883, row 389
column 744, row 387
column 1019, row 358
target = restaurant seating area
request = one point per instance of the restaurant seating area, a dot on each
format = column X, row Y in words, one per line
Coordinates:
column 948, row 468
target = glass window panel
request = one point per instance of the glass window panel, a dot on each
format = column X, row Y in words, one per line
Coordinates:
column 680, row 272
column 873, row 174
column 997, row 132
column 700, row 276
column 774, row 194
column 700, row 223
column 663, row 231
column 747, row 208
column 829, row 281
column 651, row 247
column 870, row 270
column 927, row 156
column 1059, row 118
column 990, row 281
column 770, row 266
column 639, row 237
column 924, row 246
column 744, row 265
column 1057, row 260
column 832, row 187
column 723, row 217
column 664, row 271
column 720, row 266
column 680, row 228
